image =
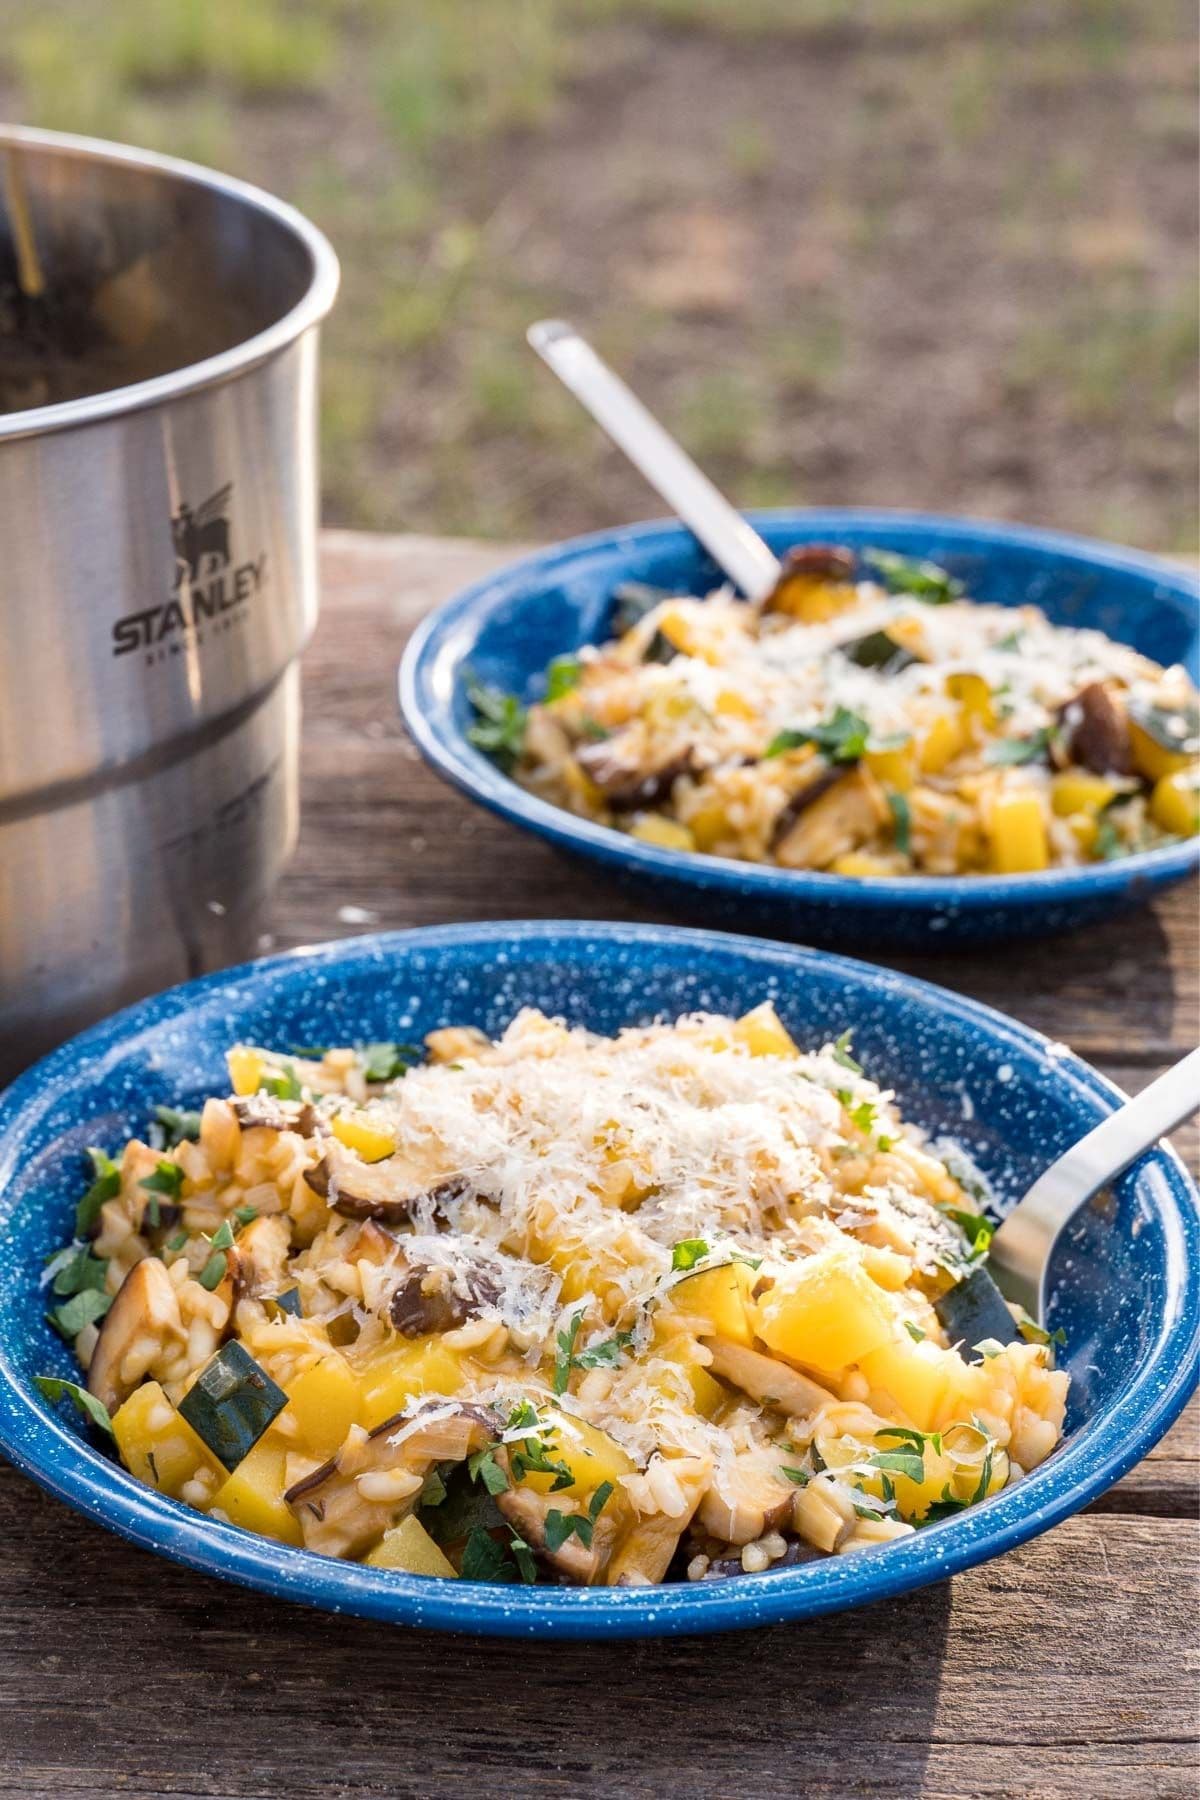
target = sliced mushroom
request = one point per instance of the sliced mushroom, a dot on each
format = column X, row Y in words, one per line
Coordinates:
column 275, row 1115
column 429, row 1299
column 644, row 1555
column 769, row 1382
column 385, row 1190
column 804, row 567
column 142, row 1322
column 746, row 1498
column 258, row 1260
column 626, row 786
column 839, row 817
column 527, row 1511
column 1097, row 730
column 346, row 1505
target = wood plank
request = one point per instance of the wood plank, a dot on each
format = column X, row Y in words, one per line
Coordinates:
column 381, row 834
column 1055, row 1671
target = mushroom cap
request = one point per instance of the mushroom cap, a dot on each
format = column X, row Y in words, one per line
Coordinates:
column 137, row 1328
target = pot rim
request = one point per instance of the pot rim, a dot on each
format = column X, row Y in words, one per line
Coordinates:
column 310, row 309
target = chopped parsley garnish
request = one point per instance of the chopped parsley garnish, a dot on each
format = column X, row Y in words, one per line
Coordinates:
column 389, row 1062
column 433, row 1492
column 841, row 1053
column 177, row 1127
column 989, row 1347
column 176, row 1242
column 523, row 1557
column 563, row 674
column 565, row 1353
column 561, row 1525
column 842, row 738
column 975, row 1227
column 222, row 1237
column 245, row 1215
column 282, row 1087
column 1109, row 844
column 604, row 1355
column 1014, row 751
column 105, row 1186
column 860, row 1113
column 484, row 1559
column 500, row 721
column 1033, row 1333
column 801, row 1477
column 54, row 1388
column 926, row 581
column 901, row 821
column 484, row 1467
column 688, row 1253
column 914, row 1332
column 166, row 1179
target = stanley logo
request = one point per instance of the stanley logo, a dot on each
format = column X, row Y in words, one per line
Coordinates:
column 209, row 589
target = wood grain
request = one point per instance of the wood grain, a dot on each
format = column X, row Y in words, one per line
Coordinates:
column 1060, row 1670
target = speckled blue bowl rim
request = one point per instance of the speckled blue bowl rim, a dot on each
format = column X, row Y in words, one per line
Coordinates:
column 1101, row 1452
column 451, row 628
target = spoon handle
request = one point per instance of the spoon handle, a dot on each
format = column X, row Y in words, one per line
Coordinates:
column 1022, row 1244
column 725, row 534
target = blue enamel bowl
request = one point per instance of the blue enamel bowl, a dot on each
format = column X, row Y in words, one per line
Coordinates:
column 506, row 628
column 1125, row 1285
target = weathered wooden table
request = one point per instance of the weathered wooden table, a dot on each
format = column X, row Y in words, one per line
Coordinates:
column 1066, row 1668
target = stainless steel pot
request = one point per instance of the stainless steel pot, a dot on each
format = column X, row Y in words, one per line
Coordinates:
column 158, row 500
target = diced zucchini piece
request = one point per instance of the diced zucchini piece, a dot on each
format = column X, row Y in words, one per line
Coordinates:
column 231, row 1403
column 974, row 1310
column 157, row 1444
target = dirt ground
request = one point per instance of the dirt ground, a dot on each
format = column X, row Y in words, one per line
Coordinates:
column 935, row 253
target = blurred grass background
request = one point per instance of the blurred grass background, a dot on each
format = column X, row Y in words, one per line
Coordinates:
column 934, row 253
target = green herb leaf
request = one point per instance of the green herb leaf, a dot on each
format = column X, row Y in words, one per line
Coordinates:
column 901, row 821
column 975, row 1227
column 282, row 1087
column 166, row 1179
column 606, row 1354
column 563, row 674
column 484, row 1559
column 245, row 1215
column 907, row 1462
column 842, row 738
column 923, row 580
column 81, row 1309
column 565, row 1353
column 177, row 1126
column 213, row 1273
column 687, row 1253
column 787, row 739
column 389, row 1062
column 523, row 1557
column 599, row 1500
column 1033, row 1333
column 989, row 1347
column 80, row 1270
column 222, row 1237
column 433, row 1490
column 801, row 1477
column 1011, row 752
column 500, row 721
column 914, row 1332
column 523, row 1415
column 105, row 1186
column 54, row 1389
column 1109, row 843
column 866, row 1512
column 842, row 1056
column 483, row 1466
column 176, row 1241
column 861, row 1113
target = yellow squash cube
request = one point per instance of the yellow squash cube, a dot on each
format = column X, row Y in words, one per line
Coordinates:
column 394, row 1375
column 764, row 1033
column 245, row 1069
column 408, row 1546
column 325, row 1402
column 668, row 834
column 826, row 1312
column 942, row 741
column 974, row 696
column 896, row 768
column 916, row 1378
column 252, row 1497
column 591, row 1455
column 719, row 1298
column 366, row 1140
column 1017, row 833
column 157, row 1444
column 1080, row 793
column 1175, row 802
column 1154, row 760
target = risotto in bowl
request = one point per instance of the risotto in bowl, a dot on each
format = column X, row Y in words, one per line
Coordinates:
column 928, row 728
column 579, row 1279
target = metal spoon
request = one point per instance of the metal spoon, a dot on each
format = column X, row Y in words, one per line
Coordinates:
column 1020, row 1250
column 725, row 534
